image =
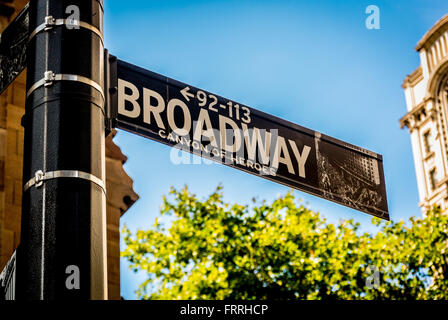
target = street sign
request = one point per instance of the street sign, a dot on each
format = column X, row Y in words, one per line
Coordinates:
column 13, row 44
column 222, row 130
column 8, row 279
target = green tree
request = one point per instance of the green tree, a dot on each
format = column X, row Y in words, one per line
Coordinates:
column 283, row 250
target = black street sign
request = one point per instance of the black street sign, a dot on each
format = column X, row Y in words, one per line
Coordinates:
column 216, row 128
column 13, row 44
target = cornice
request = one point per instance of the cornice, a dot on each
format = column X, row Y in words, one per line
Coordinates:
column 409, row 119
column 413, row 79
column 436, row 31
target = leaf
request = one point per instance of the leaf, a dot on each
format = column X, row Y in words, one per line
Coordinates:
column 283, row 250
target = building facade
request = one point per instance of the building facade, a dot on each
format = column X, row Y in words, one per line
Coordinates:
column 426, row 94
column 120, row 194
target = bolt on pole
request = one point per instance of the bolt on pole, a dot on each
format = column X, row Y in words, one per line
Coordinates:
column 63, row 238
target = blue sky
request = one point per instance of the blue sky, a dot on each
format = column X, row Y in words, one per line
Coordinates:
column 310, row 62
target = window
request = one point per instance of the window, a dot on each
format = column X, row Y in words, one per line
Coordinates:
column 433, row 178
column 426, row 141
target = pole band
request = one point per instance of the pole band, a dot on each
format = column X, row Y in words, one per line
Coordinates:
column 71, row 24
column 50, row 77
column 40, row 177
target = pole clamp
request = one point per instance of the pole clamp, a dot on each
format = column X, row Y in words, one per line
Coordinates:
column 40, row 177
column 50, row 22
column 50, row 77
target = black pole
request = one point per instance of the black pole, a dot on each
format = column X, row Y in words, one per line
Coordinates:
column 63, row 238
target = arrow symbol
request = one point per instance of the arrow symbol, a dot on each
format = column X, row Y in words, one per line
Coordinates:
column 185, row 92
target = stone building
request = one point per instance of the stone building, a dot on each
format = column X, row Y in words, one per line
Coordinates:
column 120, row 197
column 426, row 93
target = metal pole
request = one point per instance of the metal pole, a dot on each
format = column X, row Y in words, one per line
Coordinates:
column 63, row 238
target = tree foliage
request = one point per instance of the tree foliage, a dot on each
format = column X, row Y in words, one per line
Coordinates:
column 283, row 250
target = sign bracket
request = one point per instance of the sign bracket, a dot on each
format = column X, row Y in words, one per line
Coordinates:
column 111, row 84
column 51, row 22
column 40, row 177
